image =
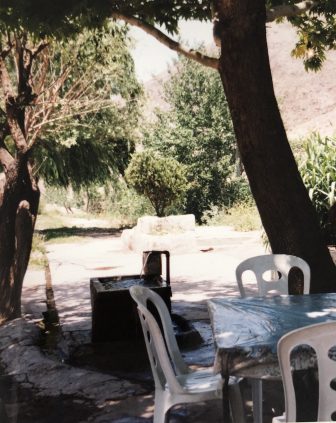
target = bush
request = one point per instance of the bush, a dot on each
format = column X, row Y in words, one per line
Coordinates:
column 242, row 217
column 158, row 178
column 319, row 176
column 121, row 205
column 126, row 205
column 238, row 192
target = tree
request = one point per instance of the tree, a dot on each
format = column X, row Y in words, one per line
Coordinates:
column 94, row 137
column 197, row 131
column 286, row 211
column 159, row 178
column 51, row 103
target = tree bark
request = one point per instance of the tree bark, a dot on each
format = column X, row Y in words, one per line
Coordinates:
column 286, row 211
column 18, row 211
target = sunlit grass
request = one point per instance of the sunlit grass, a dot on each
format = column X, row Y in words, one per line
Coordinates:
column 242, row 217
column 38, row 258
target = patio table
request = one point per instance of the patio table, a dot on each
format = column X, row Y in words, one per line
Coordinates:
column 246, row 331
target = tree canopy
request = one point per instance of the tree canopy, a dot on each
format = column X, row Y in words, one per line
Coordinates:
column 94, row 139
column 81, row 127
column 197, row 131
column 315, row 20
column 64, row 17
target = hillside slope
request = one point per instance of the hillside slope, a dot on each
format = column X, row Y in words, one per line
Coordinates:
column 307, row 100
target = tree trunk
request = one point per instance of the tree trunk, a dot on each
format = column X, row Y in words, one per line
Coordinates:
column 286, row 211
column 18, row 211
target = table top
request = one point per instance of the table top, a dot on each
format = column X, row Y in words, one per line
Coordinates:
column 246, row 330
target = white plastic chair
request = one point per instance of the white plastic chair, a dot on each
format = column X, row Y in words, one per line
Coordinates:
column 259, row 265
column 282, row 263
column 175, row 383
column 321, row 337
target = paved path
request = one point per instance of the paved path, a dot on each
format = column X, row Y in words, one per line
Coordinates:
column 194, row 277
column 113, row 397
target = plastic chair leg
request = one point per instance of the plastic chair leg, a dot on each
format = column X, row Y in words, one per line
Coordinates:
column 161, row 408
column 257, row 398
column 279, row 419
column 159, row 415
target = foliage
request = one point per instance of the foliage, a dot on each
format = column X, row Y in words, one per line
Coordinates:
column 93, row 139
column 81, row 123
column 316, row 31
column 86, row 162
column 159, row 178
column 115, row 202
column 125, row 205
column 197, row 131
column 242, row 217
column 318, row 171
column 238, row 191
column 64, row 18
column 67, row 17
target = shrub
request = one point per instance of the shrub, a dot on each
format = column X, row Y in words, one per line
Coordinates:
column 242, row 217
column 238, row 192
column 160, row 179
column 318, row 170
column 126, row 205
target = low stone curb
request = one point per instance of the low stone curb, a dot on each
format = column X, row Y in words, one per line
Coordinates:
column 23, row 360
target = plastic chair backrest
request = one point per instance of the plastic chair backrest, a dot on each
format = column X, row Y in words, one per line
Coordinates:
column 282, row 263
column 321, row 337
column 164, row 355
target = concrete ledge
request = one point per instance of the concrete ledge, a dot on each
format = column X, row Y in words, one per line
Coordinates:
column 173, row 233
column 153, row 225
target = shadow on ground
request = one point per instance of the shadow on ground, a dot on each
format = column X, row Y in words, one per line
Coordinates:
column 23, row 405
column 93, row 232
column 128, row 359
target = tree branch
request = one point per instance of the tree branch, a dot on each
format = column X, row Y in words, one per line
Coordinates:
column 7, row 87
column 5, row 157
column 77, row 112
column 39, row 48
column 210, row 62
column 289, row 10
column 10, row 104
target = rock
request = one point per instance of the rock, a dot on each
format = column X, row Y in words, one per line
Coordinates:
column 153, row 225
column 173, row 233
